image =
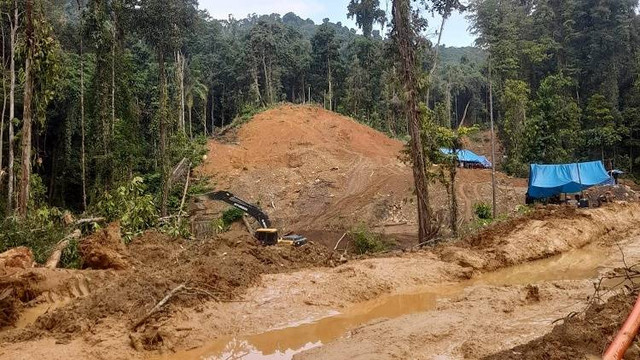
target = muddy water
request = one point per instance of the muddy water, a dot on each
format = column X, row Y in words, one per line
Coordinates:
column 284, row 343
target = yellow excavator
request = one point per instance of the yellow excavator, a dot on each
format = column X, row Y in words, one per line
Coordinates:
column 266, row 235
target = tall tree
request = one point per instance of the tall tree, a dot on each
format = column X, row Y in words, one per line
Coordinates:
column 12, row 93
column 366, row 12
column 164, row 24
column 83, row 160
column 326, row 58
column 405, row 36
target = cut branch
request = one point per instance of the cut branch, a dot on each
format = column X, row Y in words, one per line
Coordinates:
column 159, row 305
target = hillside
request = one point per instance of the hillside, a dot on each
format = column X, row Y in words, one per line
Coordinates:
column 312, row 169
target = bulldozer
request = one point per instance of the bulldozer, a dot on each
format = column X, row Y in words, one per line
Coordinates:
column 266, row 235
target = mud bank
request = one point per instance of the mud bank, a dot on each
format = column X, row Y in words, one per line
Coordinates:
column 279, row 300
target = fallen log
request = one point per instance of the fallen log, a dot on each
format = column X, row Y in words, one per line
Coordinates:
column 54, row 258
column 90, row 220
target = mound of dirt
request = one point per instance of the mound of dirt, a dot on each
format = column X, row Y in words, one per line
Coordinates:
column 220, row 268
column 104, row 249
column 15, row 259
column 579, row 336
column 545, row 232
column 313, row 169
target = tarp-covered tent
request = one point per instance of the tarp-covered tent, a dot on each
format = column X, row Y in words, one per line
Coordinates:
column 468, row 156
column 549, row 180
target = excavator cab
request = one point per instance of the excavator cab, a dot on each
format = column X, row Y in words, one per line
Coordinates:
column 267, row 236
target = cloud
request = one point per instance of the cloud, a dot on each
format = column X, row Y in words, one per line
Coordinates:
column 220, row 9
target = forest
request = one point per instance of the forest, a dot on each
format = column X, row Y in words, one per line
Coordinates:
column 102, row 98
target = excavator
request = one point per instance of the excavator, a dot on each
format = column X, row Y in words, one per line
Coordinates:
column 266, row 235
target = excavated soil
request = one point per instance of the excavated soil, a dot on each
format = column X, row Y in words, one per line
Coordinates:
column 237, row 287
column 312, row 169
column 579, row 335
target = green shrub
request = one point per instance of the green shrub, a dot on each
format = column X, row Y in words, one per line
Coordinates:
column 366, row 241
column 483, row 211
column 131, row 205
column 231, row 215
column 40, row 232
column 71, row 258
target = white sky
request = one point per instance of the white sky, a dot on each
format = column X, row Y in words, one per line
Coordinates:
column 455, row 32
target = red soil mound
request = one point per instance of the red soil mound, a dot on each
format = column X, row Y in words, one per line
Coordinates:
column 313, row 169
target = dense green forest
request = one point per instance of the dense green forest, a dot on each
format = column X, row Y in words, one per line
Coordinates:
column 100, row 92
column 567, row 79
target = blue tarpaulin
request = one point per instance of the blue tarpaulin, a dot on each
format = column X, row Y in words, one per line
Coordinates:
column 549, row 180
column 468, row 156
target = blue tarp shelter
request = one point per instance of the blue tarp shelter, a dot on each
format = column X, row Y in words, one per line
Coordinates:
column 468, row 156
column 549, row 180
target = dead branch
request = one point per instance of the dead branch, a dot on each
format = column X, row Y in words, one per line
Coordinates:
column 90, row 220
column 246, row 223
column 395, row 224
column 339, row 240
column 159, row 305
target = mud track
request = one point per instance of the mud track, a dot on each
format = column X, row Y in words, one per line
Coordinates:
column 453, row 285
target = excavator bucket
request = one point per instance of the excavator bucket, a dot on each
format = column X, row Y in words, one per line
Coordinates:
column 267, row 236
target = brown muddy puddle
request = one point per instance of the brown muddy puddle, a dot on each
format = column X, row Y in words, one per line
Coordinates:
column 284, row 343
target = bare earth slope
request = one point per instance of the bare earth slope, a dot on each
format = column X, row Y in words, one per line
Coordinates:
column 313, row 169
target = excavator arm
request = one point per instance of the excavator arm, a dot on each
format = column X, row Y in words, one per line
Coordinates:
column 248, row 208
column 266, row 235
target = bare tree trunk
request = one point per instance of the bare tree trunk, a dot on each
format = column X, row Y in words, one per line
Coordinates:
column 12, row 91
column 204, row 115
column 83, row 164
column 182, row 94
column 464, row 114
column 405, row 35
column 4, row 102
column 448, row 124
column 23, row 197
column 256, row 85
column 211, row 113
column 435, row 60
column 163, row 133
column 330, row 84
column 190, row 126
column 267, row 81
column 113, row 84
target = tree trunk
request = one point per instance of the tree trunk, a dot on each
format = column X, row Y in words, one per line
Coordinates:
column 204, row 115
column 267, row 83
column 4, row 103
column 162, row 115
column 406, row 45
column 83, row 163
column 181, row 68
column 432, row 72
column 330, row 84
column 448, row 97
column 454, row 199
column 190, row 126
column 12, row 91
column 211, row 114
column 25, row 175
column 113, row 84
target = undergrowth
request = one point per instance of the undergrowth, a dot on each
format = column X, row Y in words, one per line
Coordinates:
column 228, row 217
column 365, row 241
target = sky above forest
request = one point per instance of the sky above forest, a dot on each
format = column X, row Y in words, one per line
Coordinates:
column 456, row 31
